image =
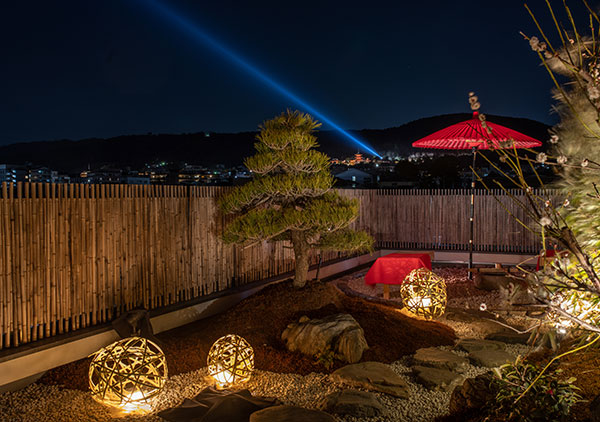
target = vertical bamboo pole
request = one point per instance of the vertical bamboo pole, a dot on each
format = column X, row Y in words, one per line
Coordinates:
column 7, row 251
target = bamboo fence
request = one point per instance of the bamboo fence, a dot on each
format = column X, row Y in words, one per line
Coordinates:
column 438, row 219
column 73, row 256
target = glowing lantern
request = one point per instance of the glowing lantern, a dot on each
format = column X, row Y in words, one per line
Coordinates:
column 128, row 374
column 424, row 293
column 230, row 361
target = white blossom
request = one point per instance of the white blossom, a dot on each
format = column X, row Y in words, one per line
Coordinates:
column 593, row 92
column 545, row 221
column 536, row 45
column 554, row 139
column 541, row 158
column 547, row 203
column 595, row 71
column 556, row 300
column 585, row 163
column 483, row 307
column 566, row 203
column 475, row 106
column 529, row 189
column 562, row 159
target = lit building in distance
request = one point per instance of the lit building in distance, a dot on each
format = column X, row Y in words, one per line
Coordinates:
column 12, row 173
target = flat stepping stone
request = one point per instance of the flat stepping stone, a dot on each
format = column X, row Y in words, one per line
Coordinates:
column 509, row 337
column 474, row 344
column 290, row 414
column 437, row 379
column 480, row 321
column 373, row 376
column 437, row 358
column 360, row 404
column 462, row 315
column 490, row 358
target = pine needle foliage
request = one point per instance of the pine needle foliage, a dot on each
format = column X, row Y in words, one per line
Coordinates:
column 290, row 196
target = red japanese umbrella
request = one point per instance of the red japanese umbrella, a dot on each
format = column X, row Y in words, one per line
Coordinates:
column 472, row 134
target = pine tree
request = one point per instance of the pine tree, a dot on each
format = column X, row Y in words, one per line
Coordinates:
column 290, row 196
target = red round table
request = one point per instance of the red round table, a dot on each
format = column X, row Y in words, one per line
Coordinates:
column 393, row 268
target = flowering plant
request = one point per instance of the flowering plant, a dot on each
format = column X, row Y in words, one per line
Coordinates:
column 549, row 398
column 570, row 287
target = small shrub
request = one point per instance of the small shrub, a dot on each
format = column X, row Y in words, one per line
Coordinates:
column 326, row 358
column 549, row 399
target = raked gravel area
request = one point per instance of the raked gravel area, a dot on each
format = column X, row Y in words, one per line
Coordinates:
column 41, row 403
column 462, row 294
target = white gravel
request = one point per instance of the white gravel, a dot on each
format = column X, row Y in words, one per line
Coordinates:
column 53, row 404
column 43, row 403
column 462, row 294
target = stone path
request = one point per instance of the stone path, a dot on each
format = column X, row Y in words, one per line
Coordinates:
column 420, row 400
column 439, row 369
column 373, row 376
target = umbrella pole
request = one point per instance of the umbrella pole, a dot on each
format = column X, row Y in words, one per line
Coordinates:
column 474, row 150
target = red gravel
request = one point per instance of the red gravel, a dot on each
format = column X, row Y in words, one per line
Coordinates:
column 261, row 319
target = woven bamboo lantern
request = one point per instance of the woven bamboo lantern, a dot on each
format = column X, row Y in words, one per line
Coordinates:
column 230, row 361
column 424, row 293
column 128, row 374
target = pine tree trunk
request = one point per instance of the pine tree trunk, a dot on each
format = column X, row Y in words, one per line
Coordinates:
column 301, row 249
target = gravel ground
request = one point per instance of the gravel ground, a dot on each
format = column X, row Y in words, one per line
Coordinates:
column 53, row 404
column 462, row 294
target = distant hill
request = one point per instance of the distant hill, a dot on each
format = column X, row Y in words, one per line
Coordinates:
column 227, row 148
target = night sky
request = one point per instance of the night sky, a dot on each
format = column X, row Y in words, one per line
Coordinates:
column 78, row 69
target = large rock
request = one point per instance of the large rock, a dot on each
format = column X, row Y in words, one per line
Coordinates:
column 339, row 333
column 442, row 359
column 372, row 376
column 491, row 281
column 508, row 336
column 437, row 379
column 490, row 358
column 472, row 395
column 290, row 414
column 517, row 293
column 512, row 290
column 360, row 404
column 474, row 344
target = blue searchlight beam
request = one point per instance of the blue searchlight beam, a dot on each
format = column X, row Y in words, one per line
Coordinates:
column 201, row 36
